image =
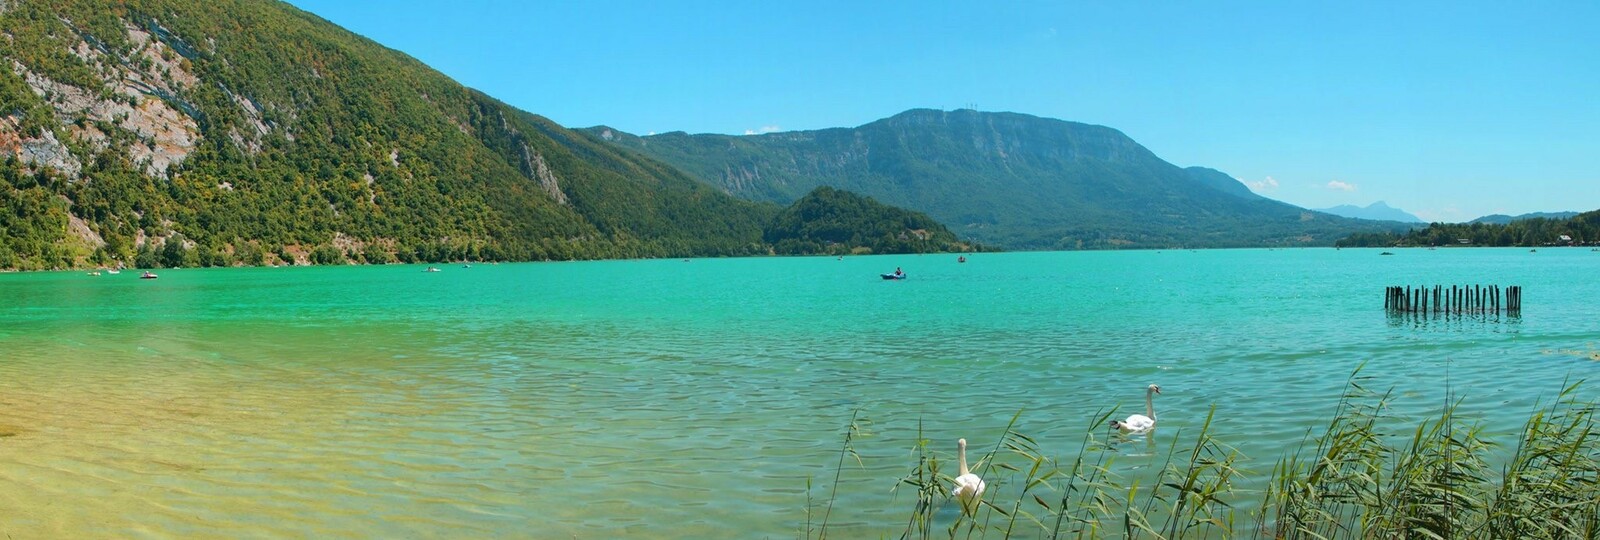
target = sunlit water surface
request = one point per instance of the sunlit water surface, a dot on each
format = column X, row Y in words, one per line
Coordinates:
column 694, row 399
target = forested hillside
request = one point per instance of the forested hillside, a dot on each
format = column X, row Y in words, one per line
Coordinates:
column 1582, row 229
column 833, row 221
column 1018, row 181
column 247, row 131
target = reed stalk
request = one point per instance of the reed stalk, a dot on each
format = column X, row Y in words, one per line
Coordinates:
column 1359, row 478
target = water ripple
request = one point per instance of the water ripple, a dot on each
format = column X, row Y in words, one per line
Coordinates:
column 659, row 399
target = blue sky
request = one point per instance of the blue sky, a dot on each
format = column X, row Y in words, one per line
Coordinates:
column 1449, row 110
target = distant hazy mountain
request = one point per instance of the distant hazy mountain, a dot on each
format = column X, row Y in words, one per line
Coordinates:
column 1503, row 219
column 1007, row 179
column 1377, row 210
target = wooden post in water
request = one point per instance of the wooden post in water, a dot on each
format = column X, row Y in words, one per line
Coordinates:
column 1457, row 299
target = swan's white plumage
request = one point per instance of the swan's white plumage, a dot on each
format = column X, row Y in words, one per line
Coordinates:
column 1140, row 423
column 1135, row 423
column 969, row 487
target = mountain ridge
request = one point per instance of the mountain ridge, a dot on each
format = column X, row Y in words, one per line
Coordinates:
column 1502, row 219
column 1005, row 178
column 1376, row 211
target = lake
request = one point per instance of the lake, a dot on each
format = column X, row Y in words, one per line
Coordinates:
column 700, row 398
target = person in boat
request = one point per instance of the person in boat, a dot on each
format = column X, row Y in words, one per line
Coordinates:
column 899, row 273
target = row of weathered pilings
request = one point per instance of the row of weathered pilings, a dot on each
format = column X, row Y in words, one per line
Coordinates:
column 1454, row 299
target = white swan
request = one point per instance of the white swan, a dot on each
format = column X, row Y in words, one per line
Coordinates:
column 1140, row 423
column 969, row 487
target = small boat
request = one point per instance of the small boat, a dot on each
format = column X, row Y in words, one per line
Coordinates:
column 94, row 273
column 148, row 275
column 113, row 271
column 961, row 259
column 432, row 269
column 466, row 266
column 1386, row 253
column 893, row 276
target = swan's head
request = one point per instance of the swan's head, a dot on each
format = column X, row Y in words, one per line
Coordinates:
column 1155, row 389
column 962, row 444
column 1116, row 424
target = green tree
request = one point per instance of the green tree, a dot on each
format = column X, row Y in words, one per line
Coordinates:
column 175, row 255
column 327, row 255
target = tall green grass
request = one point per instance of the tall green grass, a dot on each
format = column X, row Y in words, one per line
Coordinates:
column 1367, row 475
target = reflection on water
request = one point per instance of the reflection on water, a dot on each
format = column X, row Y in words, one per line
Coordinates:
column 665, row 399
column 1455, row 322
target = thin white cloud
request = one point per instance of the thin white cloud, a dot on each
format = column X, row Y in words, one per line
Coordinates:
column 1341, row 186
column 762, row 129
column 1269, row 184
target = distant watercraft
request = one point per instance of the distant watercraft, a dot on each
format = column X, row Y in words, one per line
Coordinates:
column 894, row 276
column 961, row 259
column 431, row 269
column 147, row 275
column 94, row 273
column 1386, row 253
column 113, row 271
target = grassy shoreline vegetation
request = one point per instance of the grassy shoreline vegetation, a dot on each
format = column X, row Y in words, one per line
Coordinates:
column 1366, row 475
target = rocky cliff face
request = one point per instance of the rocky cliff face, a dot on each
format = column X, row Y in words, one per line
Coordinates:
column 138, row 100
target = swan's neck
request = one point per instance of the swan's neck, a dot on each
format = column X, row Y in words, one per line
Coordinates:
column 1150, row 404
column 964, row 470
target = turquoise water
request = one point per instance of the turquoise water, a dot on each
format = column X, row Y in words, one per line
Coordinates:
column 694, row 399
